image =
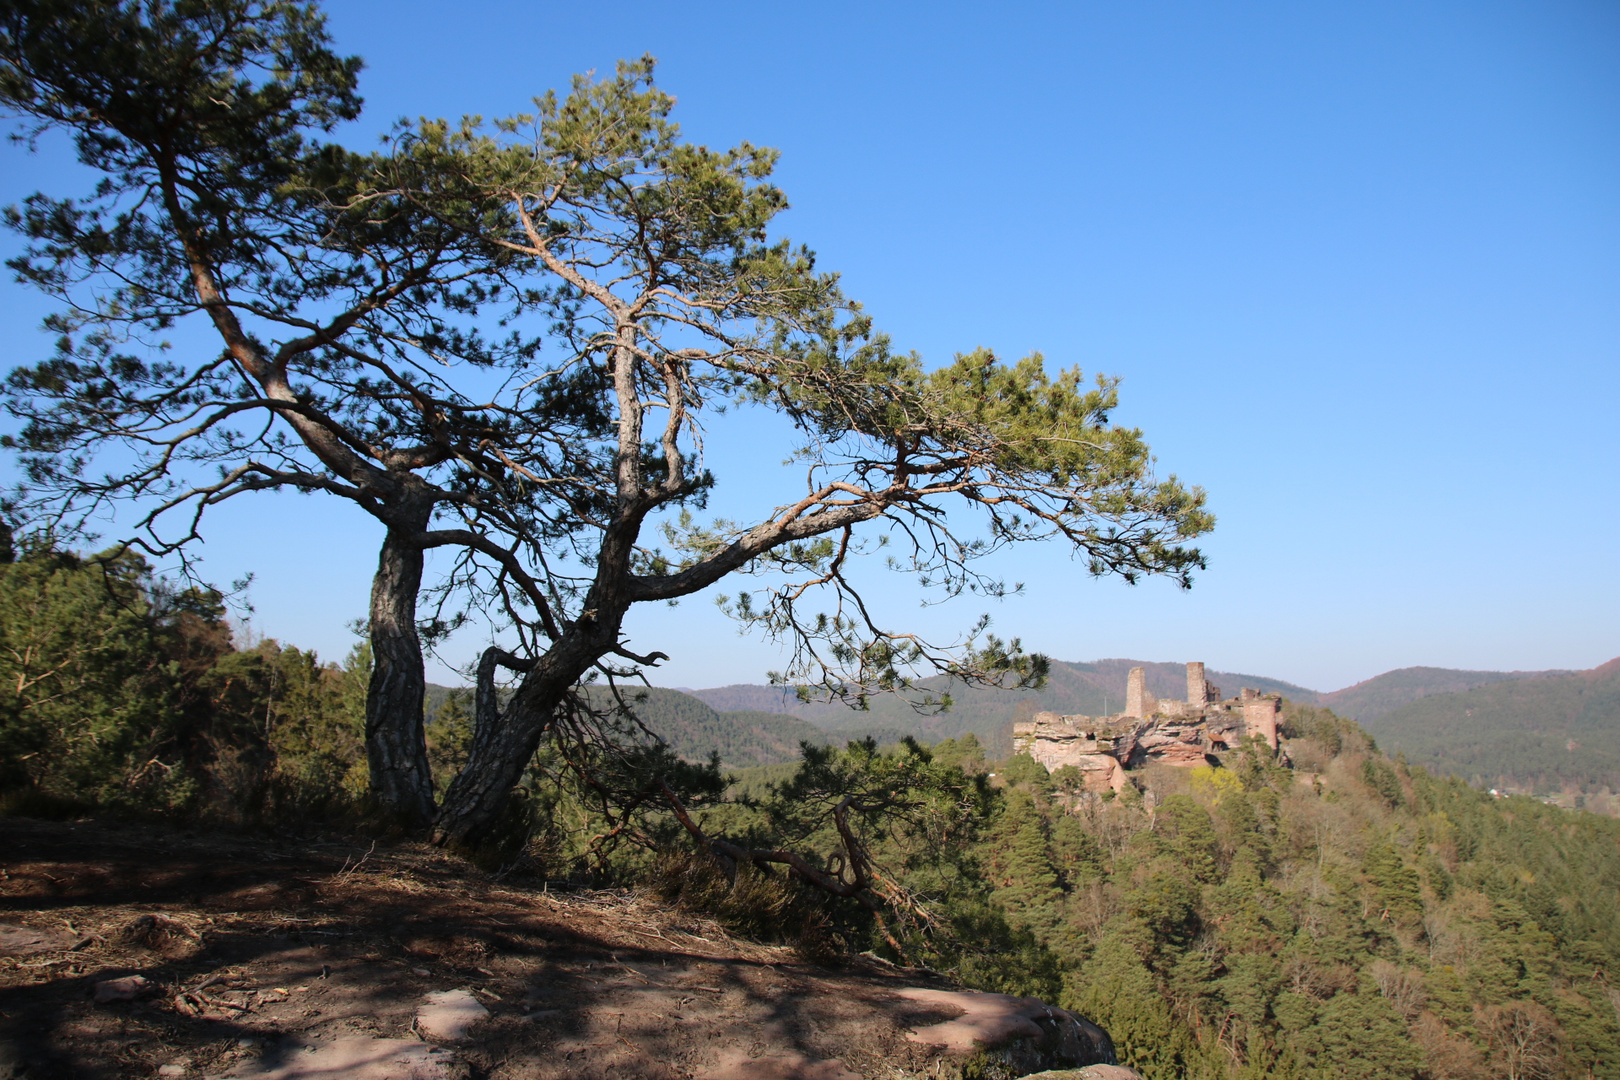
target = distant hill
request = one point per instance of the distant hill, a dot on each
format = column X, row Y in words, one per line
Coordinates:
column 1095, row 688
column 694, row 730
column 1387, row 692
column 1545, row 733
column 1098, row 688
column 1518, row 734
column 742, row 737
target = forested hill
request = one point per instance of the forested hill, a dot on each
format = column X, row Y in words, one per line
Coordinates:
column 1097, row 688
column 1550, row 733
column 694, row 730
column 1385, row 693
column 1546, row 731
column 1354, row 917
column 1094, row 688
column 741, row 737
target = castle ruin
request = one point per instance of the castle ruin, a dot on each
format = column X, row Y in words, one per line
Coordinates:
column 1179, row 733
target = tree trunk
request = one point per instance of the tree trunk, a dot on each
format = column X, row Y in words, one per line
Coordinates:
column 504, row 740
column 503, row 743
column 396, row 747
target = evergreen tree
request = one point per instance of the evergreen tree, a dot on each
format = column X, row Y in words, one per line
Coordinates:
column 86, row 695
column 1026, row 881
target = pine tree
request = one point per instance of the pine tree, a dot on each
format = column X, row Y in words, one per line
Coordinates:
column 1026, row 881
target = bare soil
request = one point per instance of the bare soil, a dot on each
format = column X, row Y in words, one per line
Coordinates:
column 260, row 949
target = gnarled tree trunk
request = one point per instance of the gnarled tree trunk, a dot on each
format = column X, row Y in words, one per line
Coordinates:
column 504, row 740
column 396, row 746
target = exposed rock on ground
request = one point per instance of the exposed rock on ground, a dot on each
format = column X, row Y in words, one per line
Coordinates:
column 447, row 1015
column 267, row 961
column 31, row 940
column 1018, row 1034
column 355, row 1057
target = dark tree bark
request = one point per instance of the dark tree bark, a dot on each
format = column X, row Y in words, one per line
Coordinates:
column 505, row 740
column 396, row 746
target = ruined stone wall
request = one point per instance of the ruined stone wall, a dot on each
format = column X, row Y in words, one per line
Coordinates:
column 1181, row 733
column 1260, row 716
column 1088, row 743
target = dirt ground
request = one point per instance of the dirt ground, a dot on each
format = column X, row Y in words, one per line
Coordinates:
column 257, row 951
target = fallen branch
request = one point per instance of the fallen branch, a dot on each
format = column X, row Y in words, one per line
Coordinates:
column 856, row 887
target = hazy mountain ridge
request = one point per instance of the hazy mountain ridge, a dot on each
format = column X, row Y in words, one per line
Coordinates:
column 1516, row 736
column 1094, row 688
column 1385, row 693
column 1098, row 688
column 1546, row 733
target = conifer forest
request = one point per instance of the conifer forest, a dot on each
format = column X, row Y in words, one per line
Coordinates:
column 1346, row 914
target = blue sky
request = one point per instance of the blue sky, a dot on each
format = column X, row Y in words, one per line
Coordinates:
column 1358, row 266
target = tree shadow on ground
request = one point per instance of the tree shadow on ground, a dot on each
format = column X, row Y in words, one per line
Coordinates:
column 277, row 946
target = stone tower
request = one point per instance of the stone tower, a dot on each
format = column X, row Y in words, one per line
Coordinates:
column 1260, row 713
column 1197, row 688
column 1136, row 694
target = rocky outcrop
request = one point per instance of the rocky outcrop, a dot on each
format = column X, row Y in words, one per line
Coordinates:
column 1008, row 1035
column 421, row 968
column 1178, row 733
column 356, row 1057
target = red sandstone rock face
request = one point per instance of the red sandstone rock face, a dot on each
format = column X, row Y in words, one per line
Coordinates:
column 1178, row 733
column 1025, row 1034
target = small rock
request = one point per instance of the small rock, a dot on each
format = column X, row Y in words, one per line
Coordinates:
column 29, row 941
column 1090, row 1072
column 359, row 1057
column 420, row 973
column 1018, row 1032
column 791, row 1065
column 128, row 988
column 171, row 1070
column 447, row 1014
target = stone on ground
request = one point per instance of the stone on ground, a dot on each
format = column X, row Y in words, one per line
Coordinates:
column 738, row 1065
column 447, row 1014
column 128, row 988
column 1024, row 1033
column 30, row 941
column 359, row 1057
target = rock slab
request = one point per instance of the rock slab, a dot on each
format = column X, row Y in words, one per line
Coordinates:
column 1020, row 1032
column 446, row 1015
column 359, row 1057
column 790, row 1066
column 128, row 988
column 30, row 941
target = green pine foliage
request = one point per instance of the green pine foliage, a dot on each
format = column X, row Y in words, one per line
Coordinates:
column 1350, row 916
column 119, row 692
column 1358, row 918
column 87, row 685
